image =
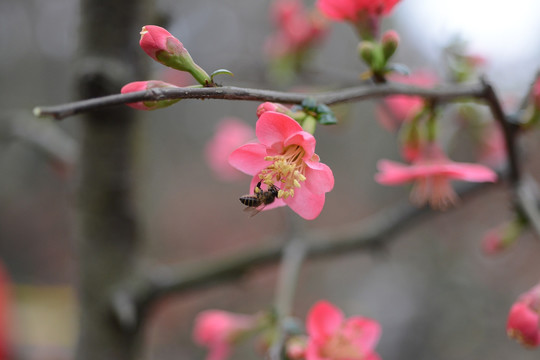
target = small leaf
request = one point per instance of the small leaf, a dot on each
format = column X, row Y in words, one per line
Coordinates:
column 309, row 104
column 327, row 119
column 398, row 68
column 220, row 71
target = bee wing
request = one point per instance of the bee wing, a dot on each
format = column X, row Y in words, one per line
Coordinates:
column 254, row 210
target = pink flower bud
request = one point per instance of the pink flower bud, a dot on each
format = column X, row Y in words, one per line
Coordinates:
column 218, row 330
column 161, row 46
column 270, row 106
column 295, row 347
column 147, row 85
column 389, row 42
column 502, row 237
column 524, row 319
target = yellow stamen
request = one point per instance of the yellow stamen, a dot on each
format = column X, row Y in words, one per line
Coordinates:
column 287, row 168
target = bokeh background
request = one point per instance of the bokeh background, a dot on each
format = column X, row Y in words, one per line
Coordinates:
column 434, row 292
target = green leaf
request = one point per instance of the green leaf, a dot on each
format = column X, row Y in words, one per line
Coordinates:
column 327, row 119
column 220, row 71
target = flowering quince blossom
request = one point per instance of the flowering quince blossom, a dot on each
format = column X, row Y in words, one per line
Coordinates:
column 492, row 149
column 524, row 318
column 351, row 10
column 285, row 157
column 218, row 330
column 5, row 307
column 432, row 172
column 230, row 134
column 147, row 85
column 397, row 109
column 332, row 337
column 297, row 29
column 364, row 15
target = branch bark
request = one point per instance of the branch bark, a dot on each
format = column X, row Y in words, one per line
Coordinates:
column 133, row 302
column 446, row 93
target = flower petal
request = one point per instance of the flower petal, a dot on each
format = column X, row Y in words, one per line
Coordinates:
column 323, row 319
column 249, row 158
column 305, row 203
column 364, row 332
column 273, row 127
column 393, row 173
column 303, row 139
column 471, row 172
column 319, row 177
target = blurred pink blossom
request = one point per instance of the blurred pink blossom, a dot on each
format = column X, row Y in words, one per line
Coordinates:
column 431, row 173
column 297, row 29
column 351, row 10
column 218, row 330
column 536, row 94
column 230, row 134
column 333, row 337
column 285, row 157
column 492, row 149
column 524, row 318
column 147, row 85
column 5, row 314
column 396, row 109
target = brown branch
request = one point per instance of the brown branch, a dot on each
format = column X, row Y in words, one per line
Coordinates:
column 446, row 93
column 133, row 302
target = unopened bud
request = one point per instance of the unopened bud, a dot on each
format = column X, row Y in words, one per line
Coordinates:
column 270, row 106
column 366, row 50
column 161, row 46
column 389, row 42
column 147, row 85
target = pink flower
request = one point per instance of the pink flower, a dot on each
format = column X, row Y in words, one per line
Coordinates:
column 161, row 46
column 5, row 307
column 492, row 150
column 399, row 108
column 351, row 10
column 219, row 330
column 523, row 319
column 364, row 15
column 536, row 94
column 285, row 157
column 230, row 134
column 332, row 337
column 297, row 30
column 147, row 85
column 431, row 173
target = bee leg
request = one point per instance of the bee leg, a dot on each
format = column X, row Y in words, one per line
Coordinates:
column 257, row 187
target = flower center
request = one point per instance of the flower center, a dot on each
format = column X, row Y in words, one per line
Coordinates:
column 340, row 347
column 287, row 168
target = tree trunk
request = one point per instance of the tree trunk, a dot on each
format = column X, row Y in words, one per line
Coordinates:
column 108, row 237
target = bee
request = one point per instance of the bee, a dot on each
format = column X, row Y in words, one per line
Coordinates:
column 256, row 202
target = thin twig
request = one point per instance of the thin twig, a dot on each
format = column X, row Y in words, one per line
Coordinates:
column 509, row 131
column 293, row 256
column 446, row 93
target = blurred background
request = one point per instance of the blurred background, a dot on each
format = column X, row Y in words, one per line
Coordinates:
column 434, row 292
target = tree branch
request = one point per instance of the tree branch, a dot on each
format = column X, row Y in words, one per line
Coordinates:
column 132, row 303
column 446, row 93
